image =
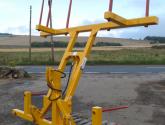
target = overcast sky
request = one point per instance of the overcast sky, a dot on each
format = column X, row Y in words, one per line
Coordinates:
column 15, row 15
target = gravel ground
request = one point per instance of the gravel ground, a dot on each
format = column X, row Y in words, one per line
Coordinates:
column 143, row 93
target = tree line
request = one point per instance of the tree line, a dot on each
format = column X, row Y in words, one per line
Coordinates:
column 63, row 44
column 155, row 39
column 5, row 34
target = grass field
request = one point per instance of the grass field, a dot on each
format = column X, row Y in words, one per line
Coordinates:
column 97, row 57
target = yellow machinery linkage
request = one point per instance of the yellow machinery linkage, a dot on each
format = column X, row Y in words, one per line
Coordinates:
column 61, row 106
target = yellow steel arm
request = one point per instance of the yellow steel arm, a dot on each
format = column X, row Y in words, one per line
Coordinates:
column 103, row 26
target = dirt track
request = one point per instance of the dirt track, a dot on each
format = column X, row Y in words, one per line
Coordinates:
column 143, row 93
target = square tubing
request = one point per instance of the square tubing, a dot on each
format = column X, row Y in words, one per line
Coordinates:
column 27, row 102
column 96, row 116
column 56, row 115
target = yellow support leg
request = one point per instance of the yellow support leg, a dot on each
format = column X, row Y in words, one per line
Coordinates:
column 56, row 115
column 26, row 114
column 27, row 102
column 96, row 116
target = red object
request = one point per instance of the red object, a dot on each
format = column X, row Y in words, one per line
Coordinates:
column 50, row 12
column 114, row 109
column 108, row 110
column 69, row 12
column 110, row 5
column 39, row 93
column 42, row 8
column 147, row 7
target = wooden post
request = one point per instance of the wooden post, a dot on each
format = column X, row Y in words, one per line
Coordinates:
column 30, row 37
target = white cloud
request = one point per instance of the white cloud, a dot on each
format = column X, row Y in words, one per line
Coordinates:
column 17, row 30
column 15, row 15
column 20, row 30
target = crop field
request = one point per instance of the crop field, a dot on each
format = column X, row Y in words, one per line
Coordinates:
column 23, row 41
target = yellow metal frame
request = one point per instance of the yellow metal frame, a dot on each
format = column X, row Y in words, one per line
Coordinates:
column 62, row 107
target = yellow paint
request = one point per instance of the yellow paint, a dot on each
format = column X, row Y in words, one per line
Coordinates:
column 96, row 116
column 115, row 18
column 27, row 102
column 102, row 26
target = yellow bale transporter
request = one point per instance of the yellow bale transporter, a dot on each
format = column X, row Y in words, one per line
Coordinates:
column 60, row 101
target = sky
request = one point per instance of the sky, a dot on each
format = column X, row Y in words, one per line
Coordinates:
column 15, row 16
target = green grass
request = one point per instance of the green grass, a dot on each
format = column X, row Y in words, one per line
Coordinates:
column 125, row 56
column 22, row 58
column 129, row 56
